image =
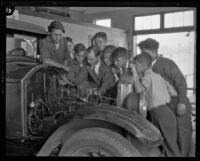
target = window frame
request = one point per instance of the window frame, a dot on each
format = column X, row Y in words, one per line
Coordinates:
column 162, row 21
column 94, row 22
column 163, row 30
column 154, row 14
column 183, row 15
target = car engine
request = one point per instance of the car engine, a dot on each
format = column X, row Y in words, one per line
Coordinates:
column 56, row 101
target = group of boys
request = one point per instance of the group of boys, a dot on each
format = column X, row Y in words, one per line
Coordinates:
column 158, row 78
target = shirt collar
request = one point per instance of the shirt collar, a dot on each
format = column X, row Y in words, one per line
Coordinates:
column 97, row 65
column 57, row 46
column 72, row 55
column 49, row 39
column 155, row 60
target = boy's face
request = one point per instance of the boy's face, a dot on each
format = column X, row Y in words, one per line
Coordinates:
column 140, row 67
column 100, row 42
column 120, row 62
column 70, row 47
column 92, row 59
column 56, row 35
column 80, row 57
column 153, row 53
column 107, row 58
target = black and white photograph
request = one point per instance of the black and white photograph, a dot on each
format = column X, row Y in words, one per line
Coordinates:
column 99, row 79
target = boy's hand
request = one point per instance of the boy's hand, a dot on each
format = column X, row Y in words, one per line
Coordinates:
column 132, row 66
column 66, row 68
column 134, row 71
column 181, row 109
column 98, row 93
column 63, row 80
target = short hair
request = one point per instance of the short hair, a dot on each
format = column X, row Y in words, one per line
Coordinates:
column 56, row 25
column 117, row 53
column 100, row 35
column 79, row 47
column 149, row 44
column 92, row 41
column 69, row 39
column 144, row 57
column 108, row 49
column 96, row 50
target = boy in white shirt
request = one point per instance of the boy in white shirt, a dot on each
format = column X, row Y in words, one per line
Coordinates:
column 157, row 92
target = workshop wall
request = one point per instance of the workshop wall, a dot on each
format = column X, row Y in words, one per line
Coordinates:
column 79, row 32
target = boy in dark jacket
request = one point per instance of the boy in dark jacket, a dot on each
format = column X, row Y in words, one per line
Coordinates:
column 179, row 104
column 96, row 74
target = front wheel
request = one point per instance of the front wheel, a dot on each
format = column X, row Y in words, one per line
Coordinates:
column 98, row 142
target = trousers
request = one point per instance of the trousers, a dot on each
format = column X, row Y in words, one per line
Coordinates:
column 165, row 120
column 184, row 128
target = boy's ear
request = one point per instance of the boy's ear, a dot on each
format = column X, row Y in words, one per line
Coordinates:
column 115, row 62
column 154, row 51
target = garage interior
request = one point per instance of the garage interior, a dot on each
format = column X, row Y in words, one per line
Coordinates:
column 173, row 27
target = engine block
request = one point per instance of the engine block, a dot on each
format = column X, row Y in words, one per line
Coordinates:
column 59, row 100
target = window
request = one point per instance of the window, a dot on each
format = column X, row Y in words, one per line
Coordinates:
column 103, row 22
column 181, row 50
column 147, row 22
column 28, row 43
column 179, row 19
column 15, row 15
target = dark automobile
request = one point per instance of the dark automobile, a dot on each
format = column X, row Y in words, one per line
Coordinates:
column 44, row 118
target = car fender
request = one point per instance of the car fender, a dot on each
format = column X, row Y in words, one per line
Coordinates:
column 93, row 116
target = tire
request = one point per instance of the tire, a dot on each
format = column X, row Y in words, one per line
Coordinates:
column 98, row 142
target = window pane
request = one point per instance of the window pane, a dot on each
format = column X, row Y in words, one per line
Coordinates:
column 138, row 23
column 178, row 19
column 188, row 18
column 169, row 20
column 28, row 43
column 105, row 22
column 15, row 15
column 147, row 22
column 155, row 22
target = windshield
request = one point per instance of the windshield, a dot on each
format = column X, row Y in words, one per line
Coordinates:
column 28, row 43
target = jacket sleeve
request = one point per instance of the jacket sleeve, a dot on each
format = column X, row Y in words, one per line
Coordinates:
column 107, row 80
column 66, row 51
column 170, row 89
column 82, row 76
column 179, row 81
column 71, row 75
